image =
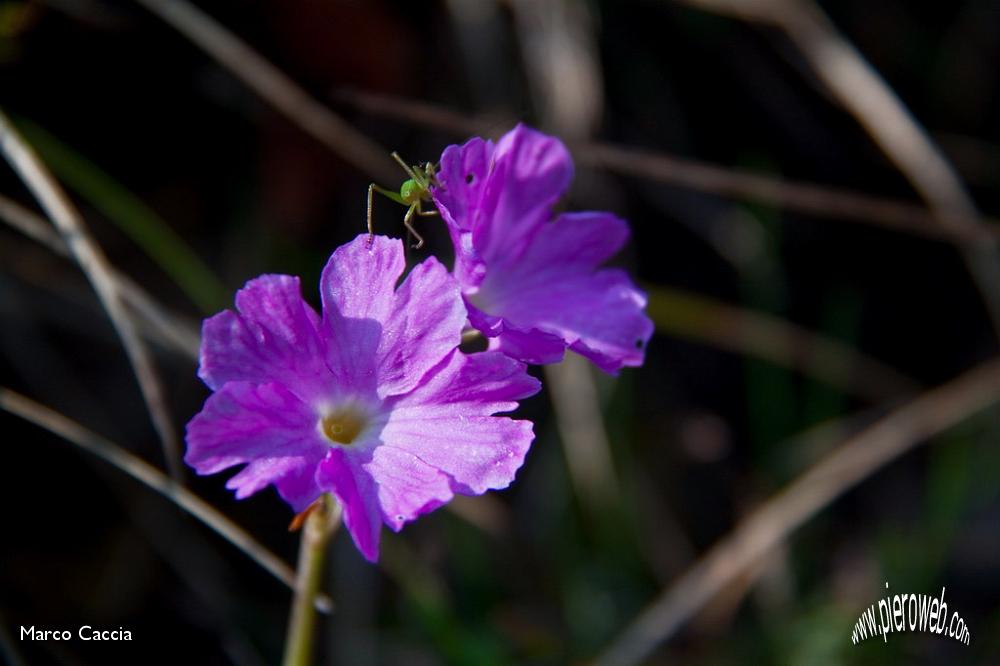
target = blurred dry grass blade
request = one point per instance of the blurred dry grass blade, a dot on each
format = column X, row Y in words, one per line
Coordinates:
column 852, row 462
column 421, row 113
column 157, row 321
column 95, row 265
column 763, row 336
column 808, row 198
column 276, row 88
column 560, row 53
column 860, row 90
column 558, row 45
column 73, row 432
column 581, row 428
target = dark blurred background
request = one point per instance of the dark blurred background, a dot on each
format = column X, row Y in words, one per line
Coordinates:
column 193, row 184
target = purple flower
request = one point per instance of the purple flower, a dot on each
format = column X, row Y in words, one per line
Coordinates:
column 372, row 401
column 532, row 284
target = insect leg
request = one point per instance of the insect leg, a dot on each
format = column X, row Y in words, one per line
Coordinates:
column 408, row 221
column 371, row 229
column 386, row 193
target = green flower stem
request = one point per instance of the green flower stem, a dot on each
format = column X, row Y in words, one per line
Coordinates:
column 320, row 526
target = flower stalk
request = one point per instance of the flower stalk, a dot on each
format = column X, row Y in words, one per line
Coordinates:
column 321, row 524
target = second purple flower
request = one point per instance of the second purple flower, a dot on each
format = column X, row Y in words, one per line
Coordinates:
column 533, row 284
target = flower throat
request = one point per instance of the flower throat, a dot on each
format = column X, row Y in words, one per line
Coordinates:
column 343, row 426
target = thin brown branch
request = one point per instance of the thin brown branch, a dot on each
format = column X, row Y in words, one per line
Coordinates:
column 157, row 321
column 797, row 196
column 853, row 461
column 140, row 470
column 275, row 87
column 95, row 265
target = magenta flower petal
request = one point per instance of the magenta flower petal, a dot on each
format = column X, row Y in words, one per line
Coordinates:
column 273, row 337
column 387, row 338
column 531, row 345
column 556, row 287
column 530, row 172
column 298, row 486
column 424, row 327
column 494, row 198
column 533, row 285
column 265, row 425
column 358, row 290
column 579, row 240
column 287, row 474
column 481, row 384
column 407, row 486
column 447, row 423
column 474, row 454
column 338, row 412
column 357, row 493
column 467, row 167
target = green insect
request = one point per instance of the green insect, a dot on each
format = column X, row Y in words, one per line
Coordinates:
column 413, row 193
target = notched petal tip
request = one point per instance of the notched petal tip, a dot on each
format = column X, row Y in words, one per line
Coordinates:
column 359, row 279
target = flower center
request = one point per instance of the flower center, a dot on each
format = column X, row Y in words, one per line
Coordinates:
column 344, row 425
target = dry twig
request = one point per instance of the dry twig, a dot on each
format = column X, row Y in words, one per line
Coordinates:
column 95, row 265
column 852, row 462
column 860, row 90
column 140, row 470
column 801, row 197
column 157, row 320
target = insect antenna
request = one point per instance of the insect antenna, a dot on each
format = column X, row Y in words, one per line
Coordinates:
column 406, row 167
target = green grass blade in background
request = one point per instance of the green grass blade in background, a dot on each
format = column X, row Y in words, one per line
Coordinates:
column 130, row 214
